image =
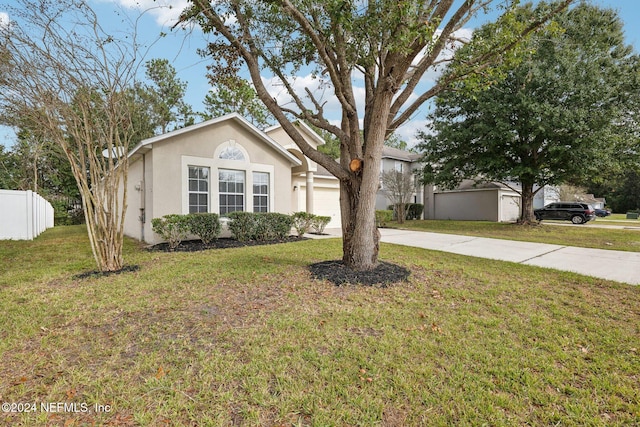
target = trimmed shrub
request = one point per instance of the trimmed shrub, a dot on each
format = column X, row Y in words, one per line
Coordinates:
column 204, row 225
column 318, row 223
column 242, row 225
column 277, row 225
column 261, row 226
column 383, row 217
column 172, row 228
column 414, row 211
column 302, row 222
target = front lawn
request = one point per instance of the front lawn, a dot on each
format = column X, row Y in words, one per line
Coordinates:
column 565, row 234
column 244, row 336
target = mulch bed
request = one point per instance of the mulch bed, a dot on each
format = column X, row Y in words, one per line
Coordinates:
column 338, row 273
column 223, row 243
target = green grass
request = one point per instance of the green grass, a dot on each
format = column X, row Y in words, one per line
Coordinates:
column 572, row 235
column 245, row 337
column 618, row 219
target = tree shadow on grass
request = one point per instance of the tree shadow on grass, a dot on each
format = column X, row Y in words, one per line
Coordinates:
column 98, row 273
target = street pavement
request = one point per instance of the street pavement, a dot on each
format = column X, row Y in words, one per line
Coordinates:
column 619, row 266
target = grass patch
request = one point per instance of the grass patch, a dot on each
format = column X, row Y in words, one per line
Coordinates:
column 618, row 219
column 245, row 337
column 586, row 237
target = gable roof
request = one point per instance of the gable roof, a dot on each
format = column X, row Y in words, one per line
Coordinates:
column 147, row 144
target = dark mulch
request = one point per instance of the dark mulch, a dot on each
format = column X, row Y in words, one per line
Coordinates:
column 98, row 273
column 338, row 273
column 223, row 243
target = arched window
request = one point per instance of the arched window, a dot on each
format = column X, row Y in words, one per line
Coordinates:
column 232, row 153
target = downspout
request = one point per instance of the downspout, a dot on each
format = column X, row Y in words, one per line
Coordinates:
column 143, row 191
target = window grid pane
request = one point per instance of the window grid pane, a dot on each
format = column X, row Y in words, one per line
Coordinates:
column 231, row 191
column 260, row 192
column 198, row 189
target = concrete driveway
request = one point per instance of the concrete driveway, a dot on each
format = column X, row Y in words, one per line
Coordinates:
column 612, row 265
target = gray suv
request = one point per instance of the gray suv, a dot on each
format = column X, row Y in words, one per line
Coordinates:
column 577, row 213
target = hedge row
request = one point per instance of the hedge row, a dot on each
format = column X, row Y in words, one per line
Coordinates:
column 260, row 226
column 383, row 217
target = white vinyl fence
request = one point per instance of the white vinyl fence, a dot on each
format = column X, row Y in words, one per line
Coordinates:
column 23, row 215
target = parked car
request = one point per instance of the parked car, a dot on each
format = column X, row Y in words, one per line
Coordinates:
column 602, row 212
column 577, row 213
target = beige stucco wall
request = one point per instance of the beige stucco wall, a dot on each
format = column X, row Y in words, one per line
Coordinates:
column 167, row 166
column 139, row 196
column 132, row 224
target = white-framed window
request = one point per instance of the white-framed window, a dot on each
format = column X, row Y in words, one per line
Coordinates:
column 260, row 192
column 230, row 190
column 198, row 189
column 398, row 166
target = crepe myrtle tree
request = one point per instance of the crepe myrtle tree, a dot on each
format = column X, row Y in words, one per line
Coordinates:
column 389, row 44
column 71, row 80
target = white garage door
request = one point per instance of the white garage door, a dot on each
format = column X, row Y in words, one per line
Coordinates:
column 510, row 208
column 326, row 202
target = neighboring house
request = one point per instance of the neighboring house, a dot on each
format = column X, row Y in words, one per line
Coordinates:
column 546, row 195
column 224, row 165
column 489, row 201
column 597, row 203
column 469, row 201
column 401, row 161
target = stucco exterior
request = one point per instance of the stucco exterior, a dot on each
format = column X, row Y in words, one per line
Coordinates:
column 159, row 170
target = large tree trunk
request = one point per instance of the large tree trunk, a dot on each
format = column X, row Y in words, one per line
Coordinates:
column 361, row 238
column 360, row 235
column 526, row 204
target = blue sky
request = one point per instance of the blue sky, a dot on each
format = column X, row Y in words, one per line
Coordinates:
column 191, row 68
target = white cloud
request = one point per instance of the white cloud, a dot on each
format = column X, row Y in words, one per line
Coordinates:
column 408, row 132
column 4, row 19
column 165, row 12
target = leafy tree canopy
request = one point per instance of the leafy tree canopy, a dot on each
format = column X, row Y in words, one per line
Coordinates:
column 236, row 95
column 164, row 97
column 553, row 118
